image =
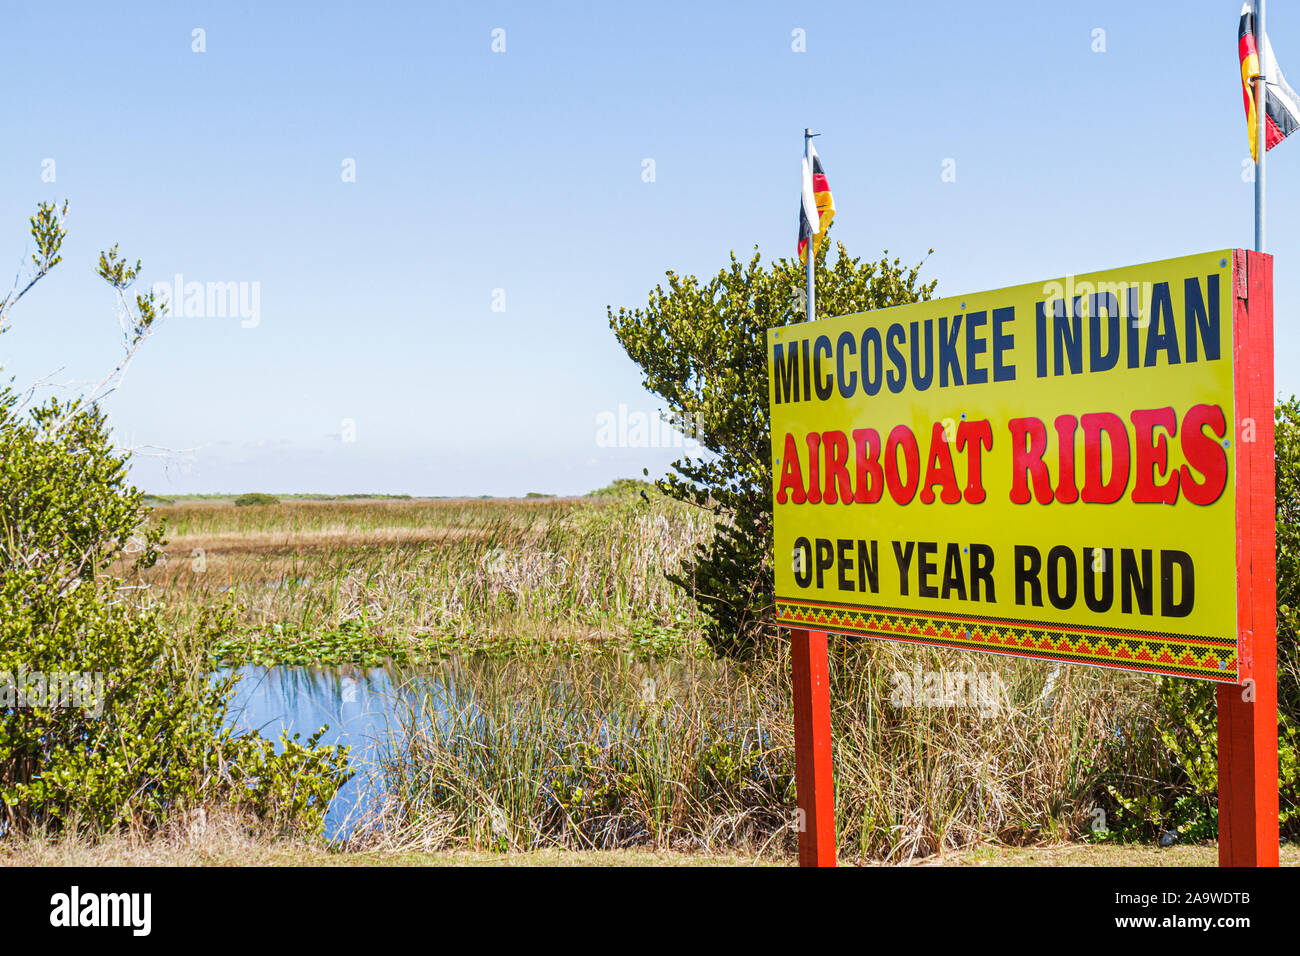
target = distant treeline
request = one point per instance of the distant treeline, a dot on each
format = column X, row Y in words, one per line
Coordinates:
column 619, row 488
column 268, row 499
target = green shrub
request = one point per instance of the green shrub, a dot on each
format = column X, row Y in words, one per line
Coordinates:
column 255, row 498
column 702, row 347
column 626, row 488
column 138, row 731
column 151, row 738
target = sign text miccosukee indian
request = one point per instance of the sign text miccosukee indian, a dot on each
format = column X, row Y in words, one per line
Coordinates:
column 1045, row 471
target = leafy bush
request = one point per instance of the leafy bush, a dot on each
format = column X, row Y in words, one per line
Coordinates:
column 626, row 488
column 702, row 347
column 137, row 731
column 255, row 498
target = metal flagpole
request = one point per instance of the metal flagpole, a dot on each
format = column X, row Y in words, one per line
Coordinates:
column 812, row 283
column 809, row 680
column 1261, row 113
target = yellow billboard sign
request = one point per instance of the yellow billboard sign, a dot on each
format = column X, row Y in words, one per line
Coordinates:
column 1047, row 470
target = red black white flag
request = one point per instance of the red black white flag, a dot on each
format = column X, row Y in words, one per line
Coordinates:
column 1281, row 105
column 817, row 205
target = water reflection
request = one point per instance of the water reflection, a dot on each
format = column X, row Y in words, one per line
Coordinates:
column 368, row 710
column 359, row 706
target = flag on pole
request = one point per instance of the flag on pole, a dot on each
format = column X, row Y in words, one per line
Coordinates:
column 817, row 206
column 1281, row 106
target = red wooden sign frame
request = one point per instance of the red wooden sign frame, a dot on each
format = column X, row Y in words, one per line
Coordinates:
column 1248, row 802
column 1247, row 713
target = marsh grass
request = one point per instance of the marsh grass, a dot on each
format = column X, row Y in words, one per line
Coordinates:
column 368, row 581
column 623, row 731
column 595, row 752
column 605, row 752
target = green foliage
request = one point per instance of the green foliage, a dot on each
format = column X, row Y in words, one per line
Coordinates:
column 626, row 488
column 114, row 270
column 255, row 498
column 1181, row 794
column 366, row 644
column 47, row 232
column 145, row 735
column 702, row 347
column 289, row 789
column 288, row 644
column 1286, row 443
column 151, row 738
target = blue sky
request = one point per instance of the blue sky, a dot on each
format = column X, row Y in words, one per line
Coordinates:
column 514, row 178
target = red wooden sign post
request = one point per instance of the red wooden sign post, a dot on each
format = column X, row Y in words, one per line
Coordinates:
column 1248, row 826
column 814, row 783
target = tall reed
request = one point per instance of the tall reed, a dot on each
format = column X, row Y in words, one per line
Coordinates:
column 600, row 751
column 405, row 574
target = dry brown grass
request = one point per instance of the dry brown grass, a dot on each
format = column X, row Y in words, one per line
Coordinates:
column 233, row 846
column 236, row 850
column 1079, row 854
